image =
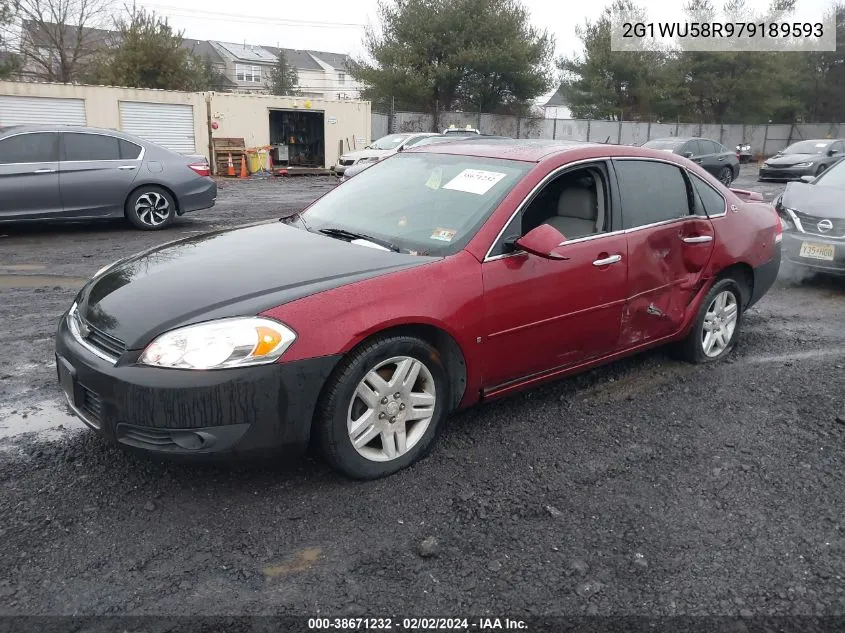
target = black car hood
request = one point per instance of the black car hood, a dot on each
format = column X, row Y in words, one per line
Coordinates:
column 226, row 273
column 815, row 200
column 786, row 160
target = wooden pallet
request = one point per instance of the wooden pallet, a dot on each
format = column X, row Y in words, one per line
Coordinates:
column 223, row 147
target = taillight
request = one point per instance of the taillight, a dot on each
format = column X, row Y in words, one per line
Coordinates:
column 778, row 229
column 201, row 169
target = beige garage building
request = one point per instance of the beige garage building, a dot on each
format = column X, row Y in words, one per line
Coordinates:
column 307, row 132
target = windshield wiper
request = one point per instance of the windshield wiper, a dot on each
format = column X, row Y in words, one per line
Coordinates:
column 351, row 235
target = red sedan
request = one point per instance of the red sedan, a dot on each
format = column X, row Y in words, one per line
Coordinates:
column 440, row 277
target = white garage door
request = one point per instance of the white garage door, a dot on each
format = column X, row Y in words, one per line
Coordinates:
column 168, row 124
column 41, row 111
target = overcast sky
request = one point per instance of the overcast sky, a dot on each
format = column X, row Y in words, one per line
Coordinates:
column 338, row 25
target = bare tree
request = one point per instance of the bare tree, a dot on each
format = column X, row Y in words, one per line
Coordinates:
column 59, row 39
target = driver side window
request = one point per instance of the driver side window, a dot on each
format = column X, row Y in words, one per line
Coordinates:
column 576, row 203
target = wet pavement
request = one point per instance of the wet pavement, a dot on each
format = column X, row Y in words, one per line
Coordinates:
column 646, row 487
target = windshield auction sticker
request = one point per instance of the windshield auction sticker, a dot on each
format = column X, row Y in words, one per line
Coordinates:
column 475, row 181
column 444, row 235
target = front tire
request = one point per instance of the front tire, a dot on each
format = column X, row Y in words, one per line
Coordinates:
column 820, row 170
column 726, row 176
column 383, row 407
column 716, row 328
column 150, row 208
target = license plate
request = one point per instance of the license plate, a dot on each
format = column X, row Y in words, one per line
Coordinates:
column 811, row 250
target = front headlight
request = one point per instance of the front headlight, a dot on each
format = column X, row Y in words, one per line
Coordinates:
column 810, row 164
column 234, row 342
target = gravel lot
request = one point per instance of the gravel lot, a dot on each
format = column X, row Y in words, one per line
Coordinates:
column 650, row 487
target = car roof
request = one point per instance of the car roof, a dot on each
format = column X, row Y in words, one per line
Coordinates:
column 537, row 150
column 19, row 129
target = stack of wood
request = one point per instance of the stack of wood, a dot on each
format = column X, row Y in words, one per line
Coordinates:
column 225, row 147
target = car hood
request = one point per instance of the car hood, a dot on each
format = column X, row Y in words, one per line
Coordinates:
column 815, row 200
column 367, row 153
column 793, row 159
column 228, row 273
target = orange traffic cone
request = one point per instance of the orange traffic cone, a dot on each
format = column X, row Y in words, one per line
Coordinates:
column 231, row 171
column 244, row 172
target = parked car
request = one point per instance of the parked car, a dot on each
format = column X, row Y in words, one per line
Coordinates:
column 744, row 153
column 712, row 156
column 376, row 151
column 429, row 140
column 79, row 173
column 804, row 158
column 814, row 221
column 444, row 276
column 461, row 130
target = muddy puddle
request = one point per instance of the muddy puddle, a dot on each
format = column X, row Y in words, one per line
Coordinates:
column 49, row 419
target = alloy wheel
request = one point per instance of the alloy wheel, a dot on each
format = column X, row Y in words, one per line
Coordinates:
column 391, row 409
column 152, row 208
column 719, row 324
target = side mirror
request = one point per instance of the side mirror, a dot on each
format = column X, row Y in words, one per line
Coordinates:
column 542, row 242
column 807, row 179
column 832, row 152
column 400, row 148
column 687, row 154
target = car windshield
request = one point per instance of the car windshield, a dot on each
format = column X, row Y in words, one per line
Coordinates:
column 663, row 144
column 833, row 176
column 808, row 147
column 423, row 203
column 391, row 141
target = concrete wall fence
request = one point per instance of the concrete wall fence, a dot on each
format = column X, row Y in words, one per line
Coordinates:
column 346, row 123
column 764, row 139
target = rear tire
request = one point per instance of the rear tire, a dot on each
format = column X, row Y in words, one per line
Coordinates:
column 150, row 208
column 372, row 420
column 726, row 176
column 714, row 333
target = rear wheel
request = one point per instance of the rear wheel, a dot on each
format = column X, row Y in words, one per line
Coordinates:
column 716, row 327
column 383, row 407
column 150, row 208
column 726, row 176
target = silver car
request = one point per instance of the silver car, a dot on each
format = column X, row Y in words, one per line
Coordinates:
column 79, row 173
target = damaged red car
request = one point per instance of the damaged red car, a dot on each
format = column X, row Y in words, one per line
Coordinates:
column 438, row 278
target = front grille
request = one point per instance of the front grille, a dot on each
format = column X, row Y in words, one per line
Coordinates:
column 105, row 342
column 810, row 225
column 91, row 405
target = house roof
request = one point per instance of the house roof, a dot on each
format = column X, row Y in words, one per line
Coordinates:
column 247, row 52
column 40, row 34
column 300, row 60
column 203, row 48
column 335, row 60
column 557, row 99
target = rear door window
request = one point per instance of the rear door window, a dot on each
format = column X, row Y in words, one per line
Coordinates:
column 128, row 150
column 90, row 147
column 36, row 147
column 692, row 146
column 712, row 201
column 650, row 192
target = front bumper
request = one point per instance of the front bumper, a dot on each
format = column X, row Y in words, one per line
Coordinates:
column 787, row 173
column 184, row 412
column 340, row 169
column 792, row 242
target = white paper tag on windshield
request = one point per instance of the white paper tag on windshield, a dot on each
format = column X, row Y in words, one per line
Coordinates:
column 822, row 144
column 475, row 181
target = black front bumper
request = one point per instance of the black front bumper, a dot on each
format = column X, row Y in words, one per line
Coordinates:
column 183, row 412
column 787, row 173
column 792, row 242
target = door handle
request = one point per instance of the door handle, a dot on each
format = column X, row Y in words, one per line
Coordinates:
column 608, row 260
column 44, row 170
column 699, row 239
column 722, row 159
column 127, row 167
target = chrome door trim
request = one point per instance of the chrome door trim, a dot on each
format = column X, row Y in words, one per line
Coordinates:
column 613, row 259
